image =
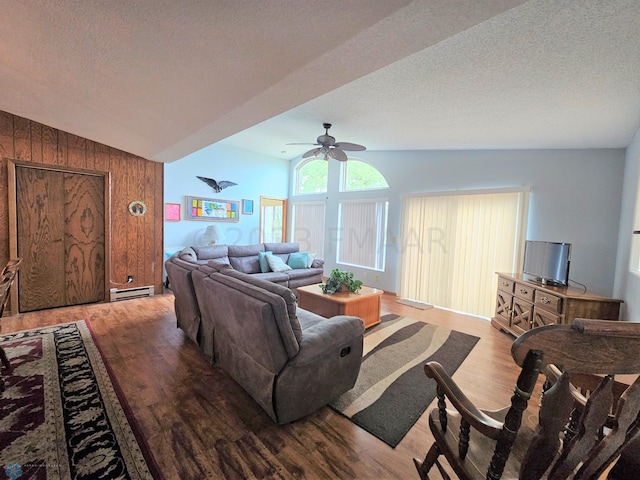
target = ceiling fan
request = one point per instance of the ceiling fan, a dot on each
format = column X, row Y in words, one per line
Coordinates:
column 328, row 147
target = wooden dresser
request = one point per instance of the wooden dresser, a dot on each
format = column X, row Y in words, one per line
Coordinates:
column 522, row 305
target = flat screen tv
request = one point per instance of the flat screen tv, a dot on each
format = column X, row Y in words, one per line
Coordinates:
column 547, row 262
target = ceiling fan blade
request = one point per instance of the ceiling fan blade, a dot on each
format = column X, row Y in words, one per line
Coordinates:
column 302, row 144
column 353, row 147
column 312, row 152
column 338, row 154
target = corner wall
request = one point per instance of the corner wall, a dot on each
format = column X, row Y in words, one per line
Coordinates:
column 627, row 283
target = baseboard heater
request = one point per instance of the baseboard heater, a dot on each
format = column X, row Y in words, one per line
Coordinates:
column 128, row 293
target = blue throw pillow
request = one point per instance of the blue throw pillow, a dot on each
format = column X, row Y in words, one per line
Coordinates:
column 298, row 259
column 264, row 265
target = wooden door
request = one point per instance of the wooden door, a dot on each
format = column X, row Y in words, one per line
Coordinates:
column 60, row 222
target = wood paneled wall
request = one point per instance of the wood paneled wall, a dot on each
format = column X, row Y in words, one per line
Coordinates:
column 136, row 241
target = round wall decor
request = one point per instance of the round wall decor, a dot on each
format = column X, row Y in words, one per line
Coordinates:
column 137, row 208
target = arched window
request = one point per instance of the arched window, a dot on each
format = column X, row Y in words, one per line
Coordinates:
column 359, row 175
column 311, row 177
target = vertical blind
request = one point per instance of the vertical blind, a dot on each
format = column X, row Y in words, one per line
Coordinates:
column 307, row 226
column 363, row 226
column 452, row 245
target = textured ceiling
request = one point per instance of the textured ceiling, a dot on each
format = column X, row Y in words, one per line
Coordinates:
column 163, row 78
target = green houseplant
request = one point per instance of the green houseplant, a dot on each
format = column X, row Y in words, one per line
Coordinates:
column 339, row 279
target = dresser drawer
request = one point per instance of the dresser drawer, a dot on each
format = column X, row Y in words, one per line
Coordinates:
column 506, row 284
column 548, row 302
column 522, row 290
column 543, row 317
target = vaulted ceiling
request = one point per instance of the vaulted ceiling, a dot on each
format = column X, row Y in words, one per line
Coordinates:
column 165, row 78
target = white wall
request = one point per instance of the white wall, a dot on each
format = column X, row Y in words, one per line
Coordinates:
column 627, row 283
column 255, row 175
column 575, row 198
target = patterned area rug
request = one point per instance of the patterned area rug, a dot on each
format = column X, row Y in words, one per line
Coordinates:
column 392, row 390
column 62, row 415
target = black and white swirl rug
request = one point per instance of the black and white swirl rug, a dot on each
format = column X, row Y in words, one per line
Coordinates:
column 392, row 391
column 62, row 415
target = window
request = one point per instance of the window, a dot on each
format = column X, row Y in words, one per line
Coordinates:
column 359, row 175
column 452, row 246
column 307, row 226
column 272, row 219
column 362, row 229
column 311, row 177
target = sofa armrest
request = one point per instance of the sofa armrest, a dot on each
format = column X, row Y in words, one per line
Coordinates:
column 317, row 263
column 331, row 334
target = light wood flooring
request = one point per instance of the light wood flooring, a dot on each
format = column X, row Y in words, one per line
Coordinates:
column 201, row 425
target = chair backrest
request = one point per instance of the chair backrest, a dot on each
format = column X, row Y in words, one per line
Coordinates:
column 581, row 440
column 12, row 265
column 7, row 277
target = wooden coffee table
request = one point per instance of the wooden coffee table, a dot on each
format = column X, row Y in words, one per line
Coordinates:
column 365, row 303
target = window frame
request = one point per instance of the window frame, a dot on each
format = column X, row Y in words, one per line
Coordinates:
column 344, row 172
column 296, row 185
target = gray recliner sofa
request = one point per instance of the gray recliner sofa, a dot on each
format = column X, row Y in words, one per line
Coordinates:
column 243, row 258
column 291, row 361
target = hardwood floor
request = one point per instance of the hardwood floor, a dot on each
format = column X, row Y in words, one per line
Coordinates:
column 201, row 425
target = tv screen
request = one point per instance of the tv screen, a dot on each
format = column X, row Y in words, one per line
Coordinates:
column 548, row 262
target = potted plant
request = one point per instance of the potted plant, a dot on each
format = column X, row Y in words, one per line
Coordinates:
column 340, row 280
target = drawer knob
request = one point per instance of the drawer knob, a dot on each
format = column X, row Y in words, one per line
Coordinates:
column 523, row 291
column 505, row 284
column 545, row 300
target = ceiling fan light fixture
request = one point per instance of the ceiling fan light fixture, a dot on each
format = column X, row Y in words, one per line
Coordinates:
column 328, row 147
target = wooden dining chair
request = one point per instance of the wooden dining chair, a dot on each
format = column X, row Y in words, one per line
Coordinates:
column 568, row 440
column 7, row 278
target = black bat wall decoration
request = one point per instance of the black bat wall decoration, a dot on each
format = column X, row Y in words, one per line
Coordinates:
column 217, row 186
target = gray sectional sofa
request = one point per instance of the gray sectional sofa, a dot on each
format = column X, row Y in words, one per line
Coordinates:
column 291, row 361
column 243, row 258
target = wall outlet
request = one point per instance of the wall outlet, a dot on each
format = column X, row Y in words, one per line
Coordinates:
column 129, row 278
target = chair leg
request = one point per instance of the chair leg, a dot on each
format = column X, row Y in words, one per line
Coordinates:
column 428, row 462
column 4, row 359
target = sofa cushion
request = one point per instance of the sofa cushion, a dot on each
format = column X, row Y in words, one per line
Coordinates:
column 244, row 258
column 308, row 276
column 277, row 264
column 300, row 273
column 287, row 295
column 210, row 252
column 281, row 278
column 219, row 265
column 262, row 258
column 282, row 248
column 238, row 312
column 298, row 260
column 187, row 254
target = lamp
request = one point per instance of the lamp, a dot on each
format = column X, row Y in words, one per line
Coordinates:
column 213, row 235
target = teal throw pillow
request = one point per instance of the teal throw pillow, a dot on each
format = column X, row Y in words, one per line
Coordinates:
column 298, row 259
column 264, row 265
